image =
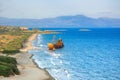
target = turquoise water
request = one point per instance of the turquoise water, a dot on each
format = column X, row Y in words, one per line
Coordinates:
column 87, row 55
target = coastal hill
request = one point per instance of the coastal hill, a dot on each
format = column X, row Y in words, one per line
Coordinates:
column 14, row 58
column 80, row 21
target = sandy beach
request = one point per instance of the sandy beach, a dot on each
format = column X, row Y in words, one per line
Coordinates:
column 28, row 43
column 28, row 69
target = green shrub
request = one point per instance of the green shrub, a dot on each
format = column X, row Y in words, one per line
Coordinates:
column 8, row 60
column 13, row 67
column 5, row 71
column 8, row 66
column 10, row 51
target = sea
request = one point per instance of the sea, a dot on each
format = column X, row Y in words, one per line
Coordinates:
column 88, row 54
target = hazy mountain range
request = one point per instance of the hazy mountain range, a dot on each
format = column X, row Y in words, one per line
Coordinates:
column 63, row 21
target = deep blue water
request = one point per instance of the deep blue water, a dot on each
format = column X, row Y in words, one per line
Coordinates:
column 87, row 55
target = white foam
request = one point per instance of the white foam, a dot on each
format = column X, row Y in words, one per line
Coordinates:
column 38, row 63
column 52, row 53
column 51, row 60
column 67, row 73
column 41, row 45
column 56, row 55
column 61, row 62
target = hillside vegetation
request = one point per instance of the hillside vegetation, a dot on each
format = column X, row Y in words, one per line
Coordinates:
column 12, row 38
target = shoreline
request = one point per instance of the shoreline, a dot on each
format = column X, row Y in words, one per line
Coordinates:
column 29, row 70
column 28, row 43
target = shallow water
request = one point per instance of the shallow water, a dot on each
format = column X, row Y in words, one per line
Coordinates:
column 87, row 55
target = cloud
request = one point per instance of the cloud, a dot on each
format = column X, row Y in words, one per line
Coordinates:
column 53, row 8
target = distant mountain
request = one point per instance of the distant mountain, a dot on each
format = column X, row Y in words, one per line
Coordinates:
column 63, row 21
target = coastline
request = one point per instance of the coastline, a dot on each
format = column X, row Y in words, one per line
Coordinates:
column 28, row 44
column 29, row 70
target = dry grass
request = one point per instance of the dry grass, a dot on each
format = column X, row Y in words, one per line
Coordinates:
column 5, row 39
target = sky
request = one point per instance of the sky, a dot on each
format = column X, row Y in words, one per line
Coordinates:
column 39, row 9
